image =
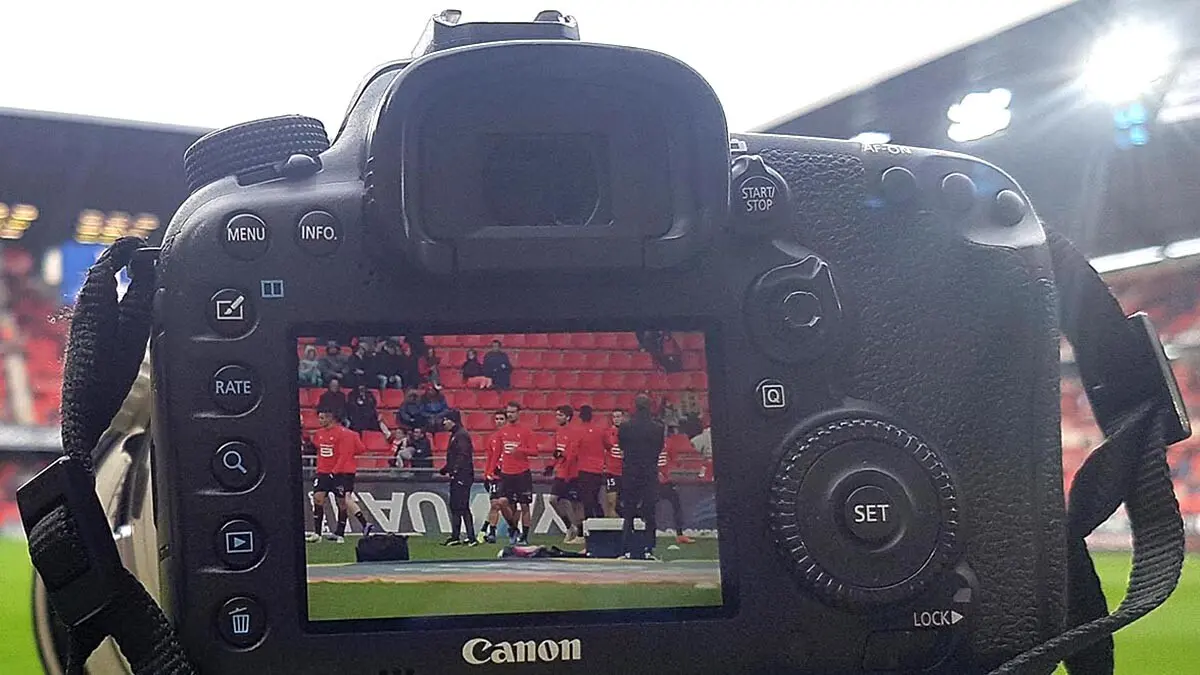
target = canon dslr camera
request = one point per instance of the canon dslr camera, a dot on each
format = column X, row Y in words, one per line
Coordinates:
column 858, row 325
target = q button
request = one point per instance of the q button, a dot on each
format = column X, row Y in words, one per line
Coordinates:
column 236, row 466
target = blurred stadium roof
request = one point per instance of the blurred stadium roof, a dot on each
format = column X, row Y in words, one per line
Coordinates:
column 1062, row 143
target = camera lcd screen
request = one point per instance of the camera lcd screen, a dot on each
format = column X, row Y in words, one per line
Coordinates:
column 486, row 474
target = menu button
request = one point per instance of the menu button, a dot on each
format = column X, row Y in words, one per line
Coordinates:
column 245, row 236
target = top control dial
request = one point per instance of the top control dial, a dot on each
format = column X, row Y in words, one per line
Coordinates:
column 258, row 146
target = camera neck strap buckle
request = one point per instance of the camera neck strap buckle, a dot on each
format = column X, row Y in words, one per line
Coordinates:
column 70, row 541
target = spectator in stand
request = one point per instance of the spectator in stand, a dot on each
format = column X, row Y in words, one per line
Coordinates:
column 361, row 410
column 333, row 364
column 411, row 414
column 497, row 366
column 356, row 367
column 409, row 448
column 663, row 348
column 410, row 373
column 472, row 372
column 702, row 443
column 387, row 365
column 310, row 368
column 668, row 414
column 428, row 367
column 435, row 407
column 333, row 399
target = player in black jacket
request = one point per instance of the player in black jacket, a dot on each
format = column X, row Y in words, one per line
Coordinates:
column 460, row 466
column 641, row 441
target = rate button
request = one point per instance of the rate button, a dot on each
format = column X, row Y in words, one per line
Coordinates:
column 235, row 389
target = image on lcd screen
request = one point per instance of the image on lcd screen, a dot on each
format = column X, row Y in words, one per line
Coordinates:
column 455, row 475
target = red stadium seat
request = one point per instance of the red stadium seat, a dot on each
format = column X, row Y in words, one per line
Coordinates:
column 441, row 441
column 375, row 441
column 625, row 400
column 556, row 398
column 659, row 382
column 596, row 360
column 544, row 379
column 463, row 399
column 573, row 360
column 693, row 360
column 620, row 361
column 698, row 380
column 612, row 381
column 609, row 341
column 566, row 380
column 309, row 396
column 560, row 340
column 643, row 361
column 527, row 359
column 453, row 358
column 635, row 381
column 583, row 340
column 479, row 421
column 580, row 399
column 628, row 341
column 489, row 399
column 604, row 402
column 522, row 379
column 392, row 398
column 515, row 340
column 537, row 340
column 474, row 341
column 308, row 419
column 690, row 340
column 591, row 381
column 546, row 422
column 534, row 400
column 552, row 358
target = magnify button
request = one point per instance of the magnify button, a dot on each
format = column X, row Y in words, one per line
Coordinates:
column 236, row 466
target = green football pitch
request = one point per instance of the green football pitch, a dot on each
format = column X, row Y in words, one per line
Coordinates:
column 1164, row 642
column 489, row 585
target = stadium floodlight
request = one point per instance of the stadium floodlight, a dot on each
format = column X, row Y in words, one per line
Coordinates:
column 1128, row 61
column 872, row 137
column 979, row 114
column 1121, row 261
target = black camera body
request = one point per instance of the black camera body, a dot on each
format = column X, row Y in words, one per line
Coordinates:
column 876, row 317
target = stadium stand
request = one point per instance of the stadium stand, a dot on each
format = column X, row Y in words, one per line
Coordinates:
column 604, row 370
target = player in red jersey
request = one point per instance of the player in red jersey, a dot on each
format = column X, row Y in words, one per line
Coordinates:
column 565, row 470
column 591, row 462
column 613, row 463
column 491, row 481
column 517, row 444
column 675, row 445
column 337, row 462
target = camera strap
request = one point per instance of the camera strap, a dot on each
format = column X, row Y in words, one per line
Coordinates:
column 70, row 540
column 1121, row 362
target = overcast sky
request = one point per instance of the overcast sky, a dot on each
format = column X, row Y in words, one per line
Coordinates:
column 214, row 63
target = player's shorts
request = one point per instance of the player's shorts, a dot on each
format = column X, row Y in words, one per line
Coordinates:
column 565, row 489
column 340, row 484
column 493, row 489
column 667, row 490
column 517, row 487
column 612, row 484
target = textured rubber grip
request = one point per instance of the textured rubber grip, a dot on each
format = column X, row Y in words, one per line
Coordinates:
column 237, row 149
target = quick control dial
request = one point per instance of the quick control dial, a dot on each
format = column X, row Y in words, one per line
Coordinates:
column 864, row 512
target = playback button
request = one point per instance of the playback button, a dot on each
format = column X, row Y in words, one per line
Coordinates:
column 240, row 544
column 231, row 312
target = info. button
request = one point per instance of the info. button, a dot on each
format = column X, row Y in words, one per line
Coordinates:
column 235, row 389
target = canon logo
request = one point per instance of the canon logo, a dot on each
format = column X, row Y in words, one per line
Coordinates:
column 478, row 651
